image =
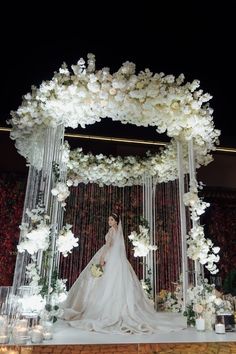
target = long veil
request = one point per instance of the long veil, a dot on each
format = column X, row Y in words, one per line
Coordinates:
column 118, row 243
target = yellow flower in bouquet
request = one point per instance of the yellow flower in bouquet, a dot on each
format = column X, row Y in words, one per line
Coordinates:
column 163, row 294
column 96, row 270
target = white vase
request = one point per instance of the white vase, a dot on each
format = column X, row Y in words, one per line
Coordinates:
column 200, row 324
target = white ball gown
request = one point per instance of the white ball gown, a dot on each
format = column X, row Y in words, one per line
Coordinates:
column 116, row 301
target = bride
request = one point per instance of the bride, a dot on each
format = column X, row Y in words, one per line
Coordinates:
column 116, row 301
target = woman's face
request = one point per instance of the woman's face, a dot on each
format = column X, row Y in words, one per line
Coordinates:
column 111, row 221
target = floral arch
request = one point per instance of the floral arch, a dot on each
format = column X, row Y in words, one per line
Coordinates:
column 85, row 96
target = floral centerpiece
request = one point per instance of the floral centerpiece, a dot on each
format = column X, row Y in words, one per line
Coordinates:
column 170, row 300
column 205, row 301
column 96, row 270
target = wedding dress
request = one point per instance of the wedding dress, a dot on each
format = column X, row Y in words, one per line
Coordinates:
column 116, row 301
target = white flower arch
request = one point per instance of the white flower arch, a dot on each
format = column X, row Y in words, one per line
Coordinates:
column 86, row 95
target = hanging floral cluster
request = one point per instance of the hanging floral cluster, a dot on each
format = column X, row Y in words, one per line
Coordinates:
column 202, row 249
column 196, row 205
column 66, row 240
column 61, row 191
column 35, row 235
column 199, row 247
column 86, row 95
column 141, row 242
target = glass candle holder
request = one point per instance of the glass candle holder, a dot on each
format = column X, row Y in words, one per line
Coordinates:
column 47, row 329
column 220, row 325
column 37, row 334
column 4, row 338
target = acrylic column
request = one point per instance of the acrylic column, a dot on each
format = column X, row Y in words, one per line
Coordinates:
column 183, row 224
column 149, row 266
column 41, row 180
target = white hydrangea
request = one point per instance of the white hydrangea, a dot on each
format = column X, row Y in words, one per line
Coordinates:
column 35, row 240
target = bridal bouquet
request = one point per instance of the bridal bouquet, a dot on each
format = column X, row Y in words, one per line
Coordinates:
column 96, row 270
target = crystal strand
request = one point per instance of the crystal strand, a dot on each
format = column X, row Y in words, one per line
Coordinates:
column 182, row 224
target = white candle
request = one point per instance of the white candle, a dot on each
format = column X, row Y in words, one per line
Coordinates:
column 220, row 328
column 20, row 335
column 200, row 324
column 4, row 339
column 36, row 336
column 20, row 331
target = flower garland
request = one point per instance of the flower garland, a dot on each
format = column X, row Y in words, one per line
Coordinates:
column 118, row 171
column 86, row 95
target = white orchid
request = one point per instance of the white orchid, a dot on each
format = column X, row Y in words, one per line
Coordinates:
column 201, row 249
column 196, row 205
column 61, row 191
column 141, row 242
column 35, row 240
column 66, row 240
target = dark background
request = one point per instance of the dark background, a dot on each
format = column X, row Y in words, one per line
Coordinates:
column 194, row 38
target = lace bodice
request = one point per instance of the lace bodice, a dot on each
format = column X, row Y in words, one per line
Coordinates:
column 110, row 235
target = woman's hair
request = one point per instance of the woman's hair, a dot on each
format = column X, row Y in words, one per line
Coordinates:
column 115, row 217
